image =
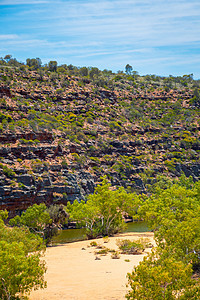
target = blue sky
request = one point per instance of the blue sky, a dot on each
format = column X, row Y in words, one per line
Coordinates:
column 156, row 37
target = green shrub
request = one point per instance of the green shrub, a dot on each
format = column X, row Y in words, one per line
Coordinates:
column 102, row 251
column 130, row 247
column 115, row 255
column 93, row 244
column 7, row 171
column 20, row 259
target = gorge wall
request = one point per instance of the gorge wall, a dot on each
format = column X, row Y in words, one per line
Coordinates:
column 59, row 134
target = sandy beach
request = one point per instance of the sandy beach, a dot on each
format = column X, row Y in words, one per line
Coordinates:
column 74, row 273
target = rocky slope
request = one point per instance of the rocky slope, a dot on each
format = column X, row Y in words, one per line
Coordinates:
column 60, row 132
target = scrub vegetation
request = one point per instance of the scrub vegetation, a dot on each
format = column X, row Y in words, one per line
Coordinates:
column 62, row 129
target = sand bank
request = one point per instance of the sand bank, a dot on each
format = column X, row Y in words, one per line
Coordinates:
column 74, row 273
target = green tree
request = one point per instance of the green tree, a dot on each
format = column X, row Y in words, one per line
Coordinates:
column 31, row 241
column 19, row 272
column 36, row 218
column 58, row 217
column 128, row 69
column 173, row 212
column 162, row 277
column 52, row 66
column 34, row 63
column 94, row 72
column 196, row 99
column 174, row 215
column 102, row 214
column 83, row 71
column 7, row 57
column 42, row 220
column 20, row 259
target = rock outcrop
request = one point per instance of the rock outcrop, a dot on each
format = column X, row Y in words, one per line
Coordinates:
column 59, row 134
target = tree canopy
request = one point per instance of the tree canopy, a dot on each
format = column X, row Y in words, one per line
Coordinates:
column 162, row 277
column 174, row 215
column 53, row 65
column 36, row 218
column 128, row 69
column 20, row 259
column 42, row 220
column 34, row 63
column 102, row 214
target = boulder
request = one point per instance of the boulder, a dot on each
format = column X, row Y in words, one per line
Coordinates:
column 26, row 179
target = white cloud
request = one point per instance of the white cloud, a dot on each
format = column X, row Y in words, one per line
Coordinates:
column 144, row 23
column 8, row 36
column 107, row 32
column 20, row 2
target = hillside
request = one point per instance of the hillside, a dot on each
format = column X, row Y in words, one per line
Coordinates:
column 63, row 128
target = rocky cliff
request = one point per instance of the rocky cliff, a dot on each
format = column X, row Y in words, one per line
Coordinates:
column 60, row 133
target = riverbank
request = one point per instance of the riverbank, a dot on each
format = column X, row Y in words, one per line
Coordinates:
column 74, row 273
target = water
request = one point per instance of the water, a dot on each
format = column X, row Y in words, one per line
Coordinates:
column 74, row 235
column 69, row 235
column 137, row 227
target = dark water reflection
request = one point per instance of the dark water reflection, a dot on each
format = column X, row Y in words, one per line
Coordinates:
column 73, row 235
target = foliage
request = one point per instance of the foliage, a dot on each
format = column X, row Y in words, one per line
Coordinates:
column 20, row 259
column 34, row 63
column 57, row 214
column 102, row 214
column 52, row 65
column 158, row 277
column 31, row 241
column 35, row 218
column 84, row 71
column 5, row 117
column 115, row 255
column 58, row 217
column 93, row 244
column 133, row 247
column 128, row 69
column 42, row 220
column 174, row 214
column 19, row 272
column 130, row 247
column 166, row 273
column 102, row 251
column 7, row 171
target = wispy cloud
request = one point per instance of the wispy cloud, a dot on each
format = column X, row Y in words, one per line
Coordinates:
column 8, row 36
column 22, row 2
column 172, row 22
column 85, row 32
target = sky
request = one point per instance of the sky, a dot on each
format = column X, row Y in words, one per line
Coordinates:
column 159, row 37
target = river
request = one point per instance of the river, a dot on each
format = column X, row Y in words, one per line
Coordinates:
column 74, row 235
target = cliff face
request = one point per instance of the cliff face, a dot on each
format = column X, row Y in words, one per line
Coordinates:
column 46, row 178
column 30, row 189
column 58, row 137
